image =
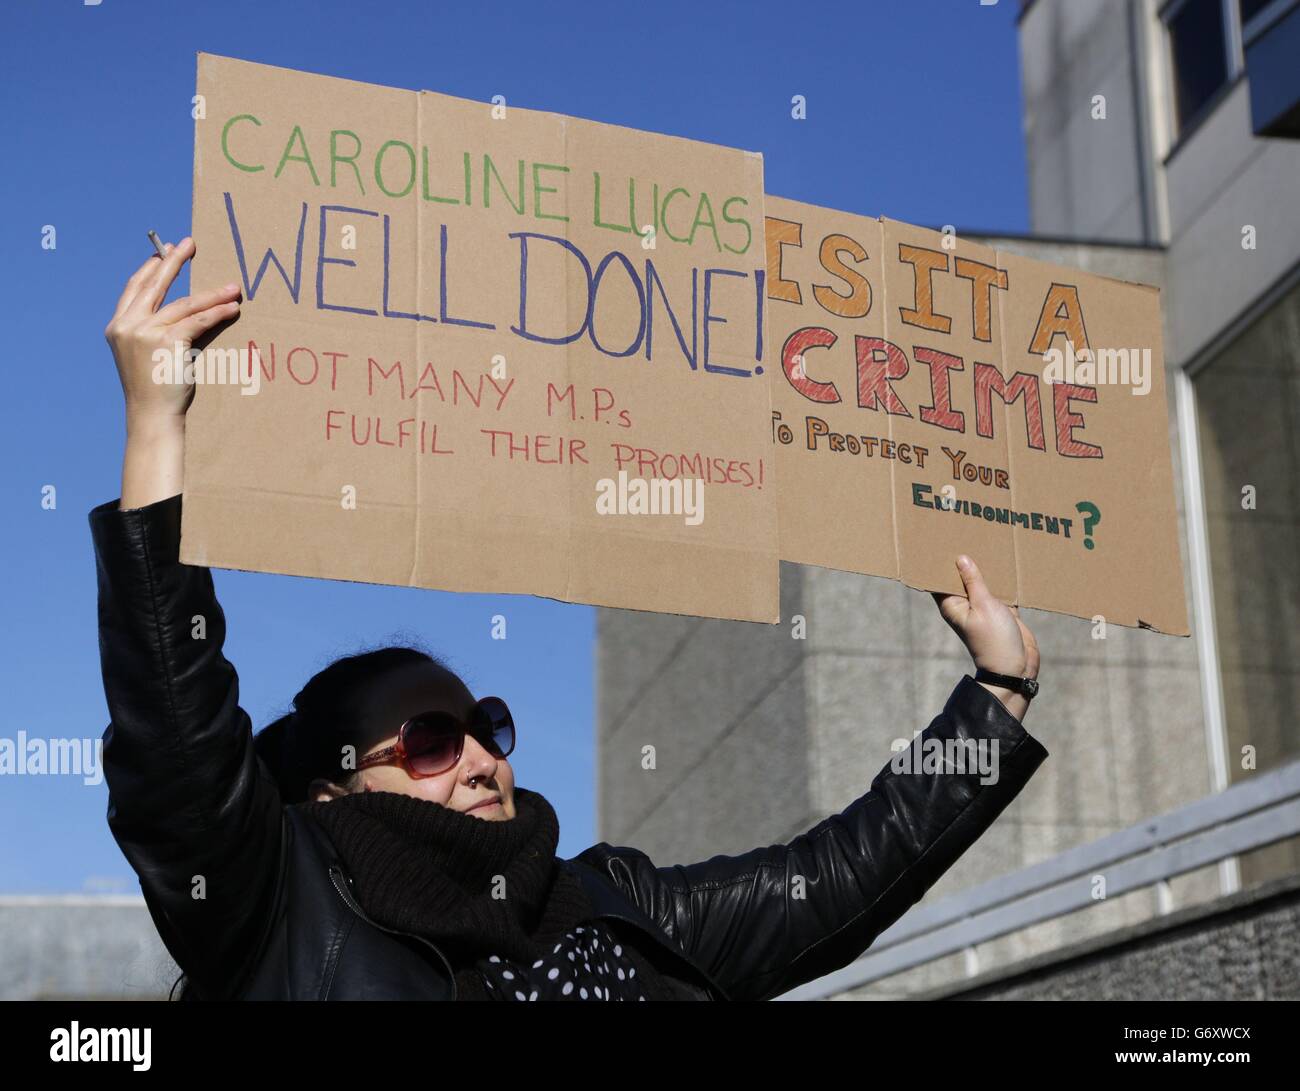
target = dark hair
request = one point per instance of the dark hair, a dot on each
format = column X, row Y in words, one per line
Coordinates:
column 306, row 744
column 315, row 717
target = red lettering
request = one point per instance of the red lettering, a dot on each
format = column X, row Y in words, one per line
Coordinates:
column 796, row 369
column 988, row 379
column 879, row 363
column 941, row 412
column 1067, row 420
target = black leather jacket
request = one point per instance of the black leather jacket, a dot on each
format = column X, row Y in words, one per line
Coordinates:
column 253, row 903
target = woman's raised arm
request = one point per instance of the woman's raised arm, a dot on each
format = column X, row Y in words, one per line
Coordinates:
column 778, row 917
column 194, row 813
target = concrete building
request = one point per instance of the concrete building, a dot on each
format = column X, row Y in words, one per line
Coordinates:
column 1224, row 204
column 1163, row 179
column 81, row 947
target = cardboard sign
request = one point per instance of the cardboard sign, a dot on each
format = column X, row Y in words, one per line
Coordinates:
column 491, row 349
column 475, row 331
column 933, row 397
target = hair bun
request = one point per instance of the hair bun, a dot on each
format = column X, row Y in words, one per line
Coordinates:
column 271, row 743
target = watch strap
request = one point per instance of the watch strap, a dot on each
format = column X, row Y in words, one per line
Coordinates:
column 1026, row 687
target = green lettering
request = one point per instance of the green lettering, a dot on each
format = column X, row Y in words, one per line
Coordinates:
column 598, row 222
column 539, row 189
column 489, row 171
column 749, row 231
column 350, row 160
column 424, row 180
column 667, row 201
column 379, row 163
column 304, row 158
column 700, row 219
column 225, row 147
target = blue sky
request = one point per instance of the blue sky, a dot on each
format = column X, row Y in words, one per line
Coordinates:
column 913, row 112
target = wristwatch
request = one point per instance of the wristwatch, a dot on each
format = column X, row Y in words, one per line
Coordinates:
column 1026, row 687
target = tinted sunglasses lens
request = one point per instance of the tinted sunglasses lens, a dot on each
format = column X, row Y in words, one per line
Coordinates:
column 497, row 724
column 432, row 742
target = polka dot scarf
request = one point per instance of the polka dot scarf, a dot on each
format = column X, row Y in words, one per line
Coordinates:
column 587, row 963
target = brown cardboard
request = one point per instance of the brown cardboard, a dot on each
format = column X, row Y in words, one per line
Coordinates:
column 290, row 159
column 411, row 428
column 916, row 304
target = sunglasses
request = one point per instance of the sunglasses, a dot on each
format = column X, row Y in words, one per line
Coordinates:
column 432, row 742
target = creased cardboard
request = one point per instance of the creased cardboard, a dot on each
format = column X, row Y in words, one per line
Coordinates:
column 476, row 329
column 914, row 419
column 467, row 320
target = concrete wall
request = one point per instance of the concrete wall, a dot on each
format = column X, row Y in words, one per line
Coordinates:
column 1220, row 180
column 724, row 706
column 81, row 948
column 1244, row 947
column 1087, row 175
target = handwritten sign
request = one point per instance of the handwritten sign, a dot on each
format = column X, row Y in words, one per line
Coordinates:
column 937, row 397
column 489, row 349
column 493, row 349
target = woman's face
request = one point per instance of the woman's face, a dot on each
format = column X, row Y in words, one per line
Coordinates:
column 479, row 784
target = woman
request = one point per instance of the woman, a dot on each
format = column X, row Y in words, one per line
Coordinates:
column 373, row 844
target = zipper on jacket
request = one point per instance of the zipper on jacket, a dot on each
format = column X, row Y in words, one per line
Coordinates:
column 340, row 883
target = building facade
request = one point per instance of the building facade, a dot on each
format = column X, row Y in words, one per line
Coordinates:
column 1150, row 159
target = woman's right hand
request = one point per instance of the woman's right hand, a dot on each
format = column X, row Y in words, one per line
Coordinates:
column 142, row 334
column 139, row 333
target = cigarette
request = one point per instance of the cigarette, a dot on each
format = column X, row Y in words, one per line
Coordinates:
column 157, row 243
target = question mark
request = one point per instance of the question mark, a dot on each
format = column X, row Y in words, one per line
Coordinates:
column 1091, row 517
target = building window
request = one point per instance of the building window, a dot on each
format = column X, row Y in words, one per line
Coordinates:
column 1250, row 8
column 1248, row 405
column 1198, row 50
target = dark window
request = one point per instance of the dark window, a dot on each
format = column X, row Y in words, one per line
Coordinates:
column 1248, row 409
column 1200, row 55
column 1250, row 8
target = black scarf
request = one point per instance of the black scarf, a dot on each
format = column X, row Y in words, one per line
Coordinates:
column 424, row 868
